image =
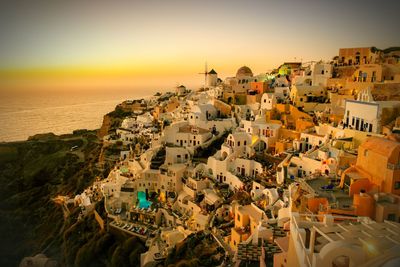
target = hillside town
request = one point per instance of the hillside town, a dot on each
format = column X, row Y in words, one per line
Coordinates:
column 296, row 167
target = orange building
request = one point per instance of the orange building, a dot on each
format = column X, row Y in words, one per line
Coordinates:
column 370, row 188
column 292, row 118
column 260, row 87
column 380, row 158
column 374, row 182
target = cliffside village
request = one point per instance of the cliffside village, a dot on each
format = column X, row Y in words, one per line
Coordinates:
column 297, row 167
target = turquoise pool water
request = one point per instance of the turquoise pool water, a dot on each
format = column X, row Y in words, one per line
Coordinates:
column 143, row 202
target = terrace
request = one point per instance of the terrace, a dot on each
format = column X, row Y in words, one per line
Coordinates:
column 372, row 241
column 133, row 229
column 326, row 188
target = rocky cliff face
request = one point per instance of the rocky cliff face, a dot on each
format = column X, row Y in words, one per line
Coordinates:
column 113, row 120
column 105, row 127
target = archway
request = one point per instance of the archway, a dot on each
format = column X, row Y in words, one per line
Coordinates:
column 260, row 146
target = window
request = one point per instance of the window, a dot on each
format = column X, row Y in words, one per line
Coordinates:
column 391, row 217
column 238, row 217
column 397, row 185
column 245, row 142
column 238, row 143
column 373, row 78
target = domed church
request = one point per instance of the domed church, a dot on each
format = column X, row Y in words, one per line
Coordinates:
column 244, row 72
column 236, row 87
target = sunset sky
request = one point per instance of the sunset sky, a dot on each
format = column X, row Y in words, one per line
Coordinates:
column 93, row 43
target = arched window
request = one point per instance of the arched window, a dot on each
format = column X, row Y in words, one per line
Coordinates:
column 341, row 261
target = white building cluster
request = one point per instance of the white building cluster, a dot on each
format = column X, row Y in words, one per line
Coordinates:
column 254, row 157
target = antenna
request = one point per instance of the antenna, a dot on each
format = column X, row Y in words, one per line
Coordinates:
column 205, row 74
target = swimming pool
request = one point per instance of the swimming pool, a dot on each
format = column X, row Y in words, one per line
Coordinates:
column 143, row 202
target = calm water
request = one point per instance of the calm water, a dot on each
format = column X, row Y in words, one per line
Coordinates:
column 24, row 114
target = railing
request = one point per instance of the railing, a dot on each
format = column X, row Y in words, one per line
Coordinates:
column 391, row 166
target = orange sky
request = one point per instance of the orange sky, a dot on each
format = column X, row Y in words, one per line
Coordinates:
column 156, row 43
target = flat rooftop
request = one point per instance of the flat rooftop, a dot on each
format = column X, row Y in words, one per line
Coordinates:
column 334, row 195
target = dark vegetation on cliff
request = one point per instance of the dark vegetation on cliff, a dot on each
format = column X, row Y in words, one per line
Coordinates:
column 84, row 244
column 198, row 249
column 31, row 174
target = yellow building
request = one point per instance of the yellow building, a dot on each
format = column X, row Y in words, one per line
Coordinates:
column 247, row 218
column 359, row 55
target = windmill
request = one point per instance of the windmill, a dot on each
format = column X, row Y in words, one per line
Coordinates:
column 205, row 75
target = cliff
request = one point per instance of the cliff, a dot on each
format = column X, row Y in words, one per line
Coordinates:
column 35, row 171
column 32, row 173
column 113, row 120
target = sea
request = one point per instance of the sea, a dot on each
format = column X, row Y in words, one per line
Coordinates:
column 26, row 113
